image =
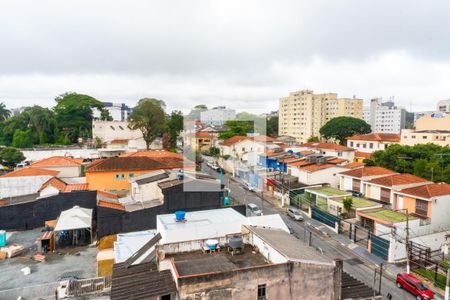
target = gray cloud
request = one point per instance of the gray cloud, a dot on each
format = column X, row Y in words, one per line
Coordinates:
column 233, row 52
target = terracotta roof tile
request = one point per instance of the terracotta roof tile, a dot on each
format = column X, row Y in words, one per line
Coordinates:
column 55, row 182
column 233, row 140
column 107, row 194
column 328, row 146
column 377, row 137
column 354, row 165
column 337, row 160
column 314, row 168
column 300, row 163
column 30, row 172
column 363, row 154
column 397, row 179
column 428, row 191
column 153, row 154
column 135, row 163
column 119, row 141
column 58, row 161
column 113, row 205
column 368, row 171
column 76, row 187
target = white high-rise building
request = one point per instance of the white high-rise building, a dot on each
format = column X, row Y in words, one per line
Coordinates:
column 217, row 115
column 384, row 117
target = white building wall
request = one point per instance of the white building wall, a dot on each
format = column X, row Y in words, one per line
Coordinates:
column 217, row 116
column 23, row 185
column 266, row 250
column 35, row 155
column 347, row 183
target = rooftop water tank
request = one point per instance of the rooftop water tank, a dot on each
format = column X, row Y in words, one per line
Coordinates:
column 180, row 215
column 2, row 238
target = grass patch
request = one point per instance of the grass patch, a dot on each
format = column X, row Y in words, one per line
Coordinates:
column 389, row 215
column 328, row 191
column 440, row 281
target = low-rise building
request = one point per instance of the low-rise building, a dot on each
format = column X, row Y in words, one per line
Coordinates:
column 433, row 128
column 352, row 180
column 383, row 188
column 217, row 115
column 328, row 149
column 65, row 166
column 370, row 143
column 24, row 181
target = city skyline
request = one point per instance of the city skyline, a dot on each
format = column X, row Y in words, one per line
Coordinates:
column 235, row 54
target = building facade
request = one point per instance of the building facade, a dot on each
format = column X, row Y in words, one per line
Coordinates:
column 303, row 113
column 443, row 106
column 370, row 143
column 385, row 117
column 433, row 128
column 217, row 115
column 118, row 111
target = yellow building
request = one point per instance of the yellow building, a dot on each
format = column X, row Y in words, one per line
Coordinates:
column 433, row 128
column 202, row 141
column 303, row 113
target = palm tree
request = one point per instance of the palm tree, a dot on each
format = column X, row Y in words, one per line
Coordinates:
column 4, row 112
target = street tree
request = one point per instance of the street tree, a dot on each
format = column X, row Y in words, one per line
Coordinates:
column 10, row 156
column 149, row 118
column 174, row 126
column 340, row 128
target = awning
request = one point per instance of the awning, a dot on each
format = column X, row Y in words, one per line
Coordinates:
column 74, row 218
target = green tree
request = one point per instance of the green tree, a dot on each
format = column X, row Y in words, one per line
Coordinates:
column 313, row 139
column 11, row 156
column 174, row 126
column 74, row 115
column 272, row 126
column 158, row 102
column 194, row 114
column 347, row 203
column 104, row 115
column 237, row 128
column 214, row 151
column 149, row 118
column 341, row 128
column 4, row 112
column 22, row 139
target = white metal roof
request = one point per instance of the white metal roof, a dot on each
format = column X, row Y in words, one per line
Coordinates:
column 267, row 221
column 129, row 243
column 74, row 218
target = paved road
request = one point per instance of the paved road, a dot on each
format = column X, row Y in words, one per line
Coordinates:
column 353, row 265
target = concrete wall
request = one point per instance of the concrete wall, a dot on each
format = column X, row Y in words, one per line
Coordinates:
column 23, row 185
column 44, row 291
column 65, row 172
column 283, row 281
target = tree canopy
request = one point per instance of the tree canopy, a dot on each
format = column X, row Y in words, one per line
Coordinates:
column 11, row 156
column 149, row 118
column 272, row 126
column 194, row 114
column 74, row 115
column 174, row 127
column 429, row 161
column 237, row 128
column 340, row 128
column 4, row 112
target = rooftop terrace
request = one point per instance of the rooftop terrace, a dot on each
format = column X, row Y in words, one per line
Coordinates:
column 327, row 191
column 197, row 262
column 387, row 215
column 359, row 202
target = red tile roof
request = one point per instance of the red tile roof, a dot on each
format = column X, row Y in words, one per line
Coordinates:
column 153, row 154
column 327, row 146
column 203, row 134
column 368, row 171
column 262, row 138
column 30, row 172
column 58, row 161
column 76, row 187
column 233, row 140
column 107, row 194
column 108, row 204
column 300, row 163
column 337, row 160
column 428, row 191
column 119, row 141
column 397, row 179
column 136, row 163
column 314, row 168
column 354, row 165
column 377, row 137
column 363, row 154
column 55, row 182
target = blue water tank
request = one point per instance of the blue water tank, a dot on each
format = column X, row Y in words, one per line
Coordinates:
column 2, row 238
column 180, row 215
column 226, row 200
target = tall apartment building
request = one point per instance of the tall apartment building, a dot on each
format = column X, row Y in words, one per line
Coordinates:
column 443, row 106
column 217, row 115
column 385, row 117
column 303, row 113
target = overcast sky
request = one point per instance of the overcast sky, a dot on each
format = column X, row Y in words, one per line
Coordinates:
column 243, row 54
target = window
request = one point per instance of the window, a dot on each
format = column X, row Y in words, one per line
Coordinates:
column 131, row 175
column 261, row 291
column 117, row 176
column 351, row 144
column 371, row 145
column 421, row 207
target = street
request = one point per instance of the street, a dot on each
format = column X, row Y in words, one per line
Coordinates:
column 353, row 264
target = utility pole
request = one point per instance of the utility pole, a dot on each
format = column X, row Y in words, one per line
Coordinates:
column 381, row 276
column 407, row 242
column 447, row 285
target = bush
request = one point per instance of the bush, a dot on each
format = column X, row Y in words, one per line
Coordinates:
column 440, row 281
column 226, row 157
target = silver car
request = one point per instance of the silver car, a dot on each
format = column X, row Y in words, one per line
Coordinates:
column 295, row 214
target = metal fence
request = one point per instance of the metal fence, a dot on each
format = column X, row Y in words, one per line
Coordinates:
column 83, row 287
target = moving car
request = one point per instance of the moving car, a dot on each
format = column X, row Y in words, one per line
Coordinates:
column 414, row 286
column 249, row 187
column 253, row 210
column 294, row 213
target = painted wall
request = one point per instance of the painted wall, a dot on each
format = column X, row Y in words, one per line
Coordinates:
column 106, row 181
column 65, row 172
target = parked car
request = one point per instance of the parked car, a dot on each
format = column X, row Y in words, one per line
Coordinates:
column 249, row 187
column 253, row 210
column 414, row 286
column 357, row 194
column 294, row 213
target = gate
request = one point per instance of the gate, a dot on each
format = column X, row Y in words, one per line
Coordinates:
column 325, row 217
column 379, row 246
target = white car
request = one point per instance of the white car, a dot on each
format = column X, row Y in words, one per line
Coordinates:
column 295, row 214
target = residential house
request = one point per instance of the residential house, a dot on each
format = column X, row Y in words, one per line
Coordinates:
column 361, row 156
column 329, row 149
column 352, row 180
column 429, row 202
column 113, row 174
column 65, row 166
column 326, row 173
column 370, row 143
column 383, row 188
column 433, row 128
column 24, row 181
column 56, row 185
column 201, row 141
